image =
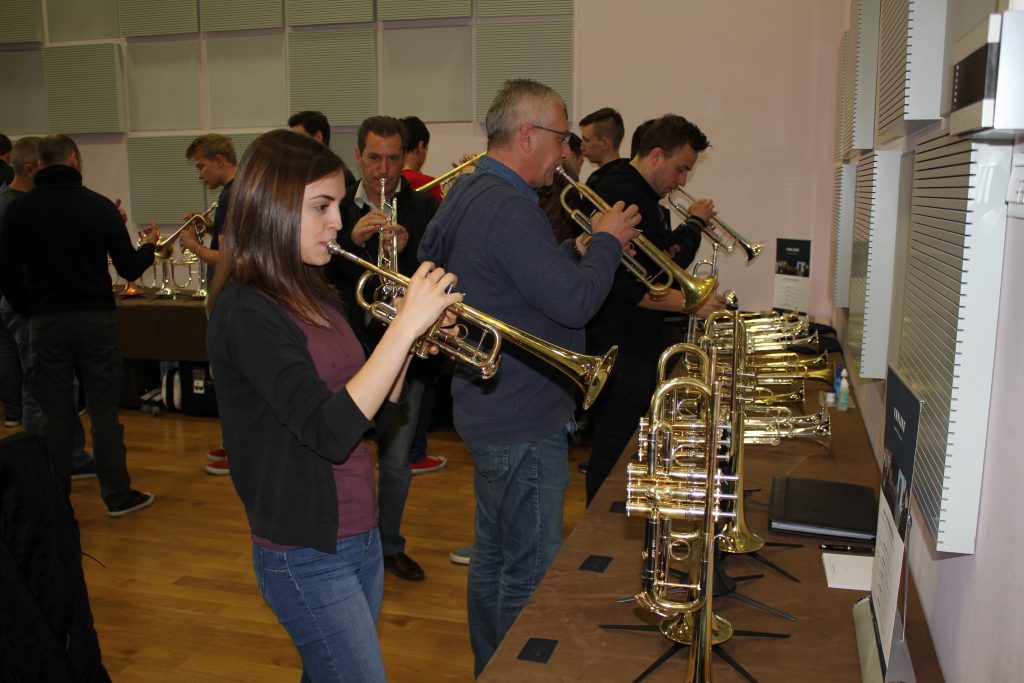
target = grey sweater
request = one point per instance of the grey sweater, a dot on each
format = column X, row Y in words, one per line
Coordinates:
column 492, row 234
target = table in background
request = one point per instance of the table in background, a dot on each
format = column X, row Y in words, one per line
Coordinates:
column 570, row 604
column 162, row 329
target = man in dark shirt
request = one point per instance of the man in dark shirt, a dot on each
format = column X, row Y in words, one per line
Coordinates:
column 380, row 154
column 630, row 317
column 601, row 133
column 53, row 268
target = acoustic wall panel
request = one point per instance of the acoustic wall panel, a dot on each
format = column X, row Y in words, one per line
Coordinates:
column 541, row 51
column 519, row 8
column 81, row 19
column 83, row 88
column 22, row 22
column 163, row 85
column 247, row 77
column 429, row 72
column 157, row 17
column 860, row 87
column 871, row 263
column 312, row 12
column 162, row 182
column 231, row 15
column 910, row 58
column 21, row 83
column 947, row 346
column 839, row 144
column 844, row 186
column 390, row 10
column 334, row 72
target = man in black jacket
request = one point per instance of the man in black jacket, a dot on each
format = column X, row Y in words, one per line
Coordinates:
column 380, row 153
column 630, row 317
column 53, row 268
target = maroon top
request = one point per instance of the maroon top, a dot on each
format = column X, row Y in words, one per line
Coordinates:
column 338, row 355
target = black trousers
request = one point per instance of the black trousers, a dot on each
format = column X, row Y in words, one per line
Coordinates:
column 86, row 341
column 616, row 415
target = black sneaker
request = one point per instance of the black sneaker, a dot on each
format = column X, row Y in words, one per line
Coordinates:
column 136, row 500
column 85, row 471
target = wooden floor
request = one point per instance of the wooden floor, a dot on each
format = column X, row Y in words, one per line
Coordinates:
column 172, row 587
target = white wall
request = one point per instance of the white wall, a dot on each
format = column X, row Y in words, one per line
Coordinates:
column 759, row 78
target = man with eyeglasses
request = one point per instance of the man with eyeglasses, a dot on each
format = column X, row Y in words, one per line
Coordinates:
column 491, row 232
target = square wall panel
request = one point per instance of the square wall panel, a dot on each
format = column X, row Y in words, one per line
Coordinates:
column 157, row 17
column 313, row 12
column 21, row 84
column 391, row 10
column 428, row 72
column 81, row 19
column 83, row 88
column 163, row 85
column 334, row 72
column 247, row 81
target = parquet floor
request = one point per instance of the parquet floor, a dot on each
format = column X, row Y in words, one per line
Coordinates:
column 172, row 589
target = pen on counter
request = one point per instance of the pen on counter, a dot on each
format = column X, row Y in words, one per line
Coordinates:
column 862, row 549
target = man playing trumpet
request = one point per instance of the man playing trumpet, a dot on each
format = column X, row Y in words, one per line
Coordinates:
column 491, row 232
column 630, row 316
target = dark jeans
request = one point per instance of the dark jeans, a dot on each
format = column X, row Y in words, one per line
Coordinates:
column 10, row 375
column 616, row 414
column 86, row 341
column 32, row 414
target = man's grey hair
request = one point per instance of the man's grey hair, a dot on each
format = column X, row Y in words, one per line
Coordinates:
column 519, row 101
column 26, row 151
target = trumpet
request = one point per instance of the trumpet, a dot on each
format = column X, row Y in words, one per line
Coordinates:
column 588, row 372
column 446, row 179
column 695, row 290
column 165, row 245
column 717, row 230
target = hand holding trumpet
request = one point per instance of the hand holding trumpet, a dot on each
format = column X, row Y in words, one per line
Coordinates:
column 150, row 234
column 372, row 223
column 425, row 303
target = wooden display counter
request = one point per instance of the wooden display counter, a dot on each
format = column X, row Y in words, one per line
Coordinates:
column 573, row 601
column 161, row 329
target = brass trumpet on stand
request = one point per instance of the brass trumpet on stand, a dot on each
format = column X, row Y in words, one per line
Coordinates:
column 483, row 355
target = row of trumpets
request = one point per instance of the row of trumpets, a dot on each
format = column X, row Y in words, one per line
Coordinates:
column 687, row 477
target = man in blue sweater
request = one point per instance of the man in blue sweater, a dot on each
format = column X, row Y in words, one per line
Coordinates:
column 491, row 232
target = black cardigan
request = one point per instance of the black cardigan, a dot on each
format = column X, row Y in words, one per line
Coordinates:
column 283, row 427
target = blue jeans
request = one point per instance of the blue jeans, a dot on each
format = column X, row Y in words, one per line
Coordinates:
column 394, row 475
column 520, row 490
column 329, row 604
column 32, row 413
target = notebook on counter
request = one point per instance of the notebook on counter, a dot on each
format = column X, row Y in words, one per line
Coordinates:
column 817, row 507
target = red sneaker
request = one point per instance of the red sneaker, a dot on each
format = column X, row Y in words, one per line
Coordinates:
column 218, row 467
column 429, row 464
column 216, row 454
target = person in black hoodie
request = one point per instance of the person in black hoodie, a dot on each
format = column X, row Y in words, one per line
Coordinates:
column 53, row 269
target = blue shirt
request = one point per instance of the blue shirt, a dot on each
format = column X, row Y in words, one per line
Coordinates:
column 493, row 235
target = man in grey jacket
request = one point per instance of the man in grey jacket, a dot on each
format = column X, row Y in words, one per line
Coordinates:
column 491, row 232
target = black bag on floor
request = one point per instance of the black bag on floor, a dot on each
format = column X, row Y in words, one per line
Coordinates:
column 189, row 388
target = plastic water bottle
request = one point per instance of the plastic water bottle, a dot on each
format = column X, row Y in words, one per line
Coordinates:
column 844, row 395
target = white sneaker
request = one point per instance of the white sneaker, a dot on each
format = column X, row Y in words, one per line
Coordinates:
column 461, row 555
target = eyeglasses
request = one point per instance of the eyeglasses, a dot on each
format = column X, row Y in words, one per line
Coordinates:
column 563, row 135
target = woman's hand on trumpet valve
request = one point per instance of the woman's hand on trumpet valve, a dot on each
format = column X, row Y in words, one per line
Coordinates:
column 425, row 301
column 620, row 222
column 150, row 234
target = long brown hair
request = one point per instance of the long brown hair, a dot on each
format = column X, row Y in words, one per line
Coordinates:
column 260, row 244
